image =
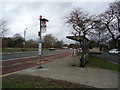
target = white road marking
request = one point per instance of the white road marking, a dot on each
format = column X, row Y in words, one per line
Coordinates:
column 16, row 64
column 25, row 57
column 16, row 52
column 19, row 58
column 8, row 74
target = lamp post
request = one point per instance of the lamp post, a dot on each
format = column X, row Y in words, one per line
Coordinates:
column 24, row 38
column 42, row 21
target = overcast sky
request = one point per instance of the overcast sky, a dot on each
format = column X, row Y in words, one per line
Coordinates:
column 21, row 15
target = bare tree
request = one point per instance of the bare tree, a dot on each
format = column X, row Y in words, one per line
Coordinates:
column 111, row 20
column 80, row 21
column 115, row 8
column 49, row 40
column 82, row 24
column 3, row 28
column 99, row 33
column 31, row 44
column 59, row 44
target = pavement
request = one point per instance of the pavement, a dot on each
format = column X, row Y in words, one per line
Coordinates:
column 62, row 69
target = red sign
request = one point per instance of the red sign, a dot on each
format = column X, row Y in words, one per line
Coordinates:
column 43, row 22
column 40, row 17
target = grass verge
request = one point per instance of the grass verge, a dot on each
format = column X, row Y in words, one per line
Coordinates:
column 28, row 81
column 98, row 62
column 18, row 49
column 11, row 49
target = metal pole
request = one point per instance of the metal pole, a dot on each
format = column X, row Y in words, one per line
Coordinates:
column 41, row 47
column 40, row 43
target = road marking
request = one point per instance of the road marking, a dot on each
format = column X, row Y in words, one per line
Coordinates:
column 31, row 61
column 25, row 57
column 39, row 62
column 18, row 58
column 8, row 74
column 16, row 64
column 16, row 52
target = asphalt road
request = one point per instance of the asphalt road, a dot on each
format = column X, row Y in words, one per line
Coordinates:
column 11, row 66
column 16, row 55
column 110, row 57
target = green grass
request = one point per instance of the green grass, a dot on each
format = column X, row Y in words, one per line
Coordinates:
column 100, row 63
column 28, row 81
column 31, row 49
column 13, row 84
column 11, row 49
column 17, row 49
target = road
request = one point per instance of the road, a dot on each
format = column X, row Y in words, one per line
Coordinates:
column 17, row 55
column 13, row 62
column 16, row 61
column 110, row 57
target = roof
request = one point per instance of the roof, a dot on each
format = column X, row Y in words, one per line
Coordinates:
column 77, row 38
column 43, row 19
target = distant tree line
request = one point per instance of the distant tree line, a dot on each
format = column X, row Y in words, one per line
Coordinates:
column 17, row 42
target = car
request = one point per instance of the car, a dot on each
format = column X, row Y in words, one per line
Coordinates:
column 117, row 52
column 71, row 48
column 114, row 51
column 51, row 49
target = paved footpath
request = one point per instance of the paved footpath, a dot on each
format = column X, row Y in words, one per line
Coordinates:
column 62, row 70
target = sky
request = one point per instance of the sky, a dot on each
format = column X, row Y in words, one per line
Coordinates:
column 25, row 14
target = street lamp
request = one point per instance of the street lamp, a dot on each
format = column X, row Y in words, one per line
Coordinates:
column 24, row 38
column 42, row 22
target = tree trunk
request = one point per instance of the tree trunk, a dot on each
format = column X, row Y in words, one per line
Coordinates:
column 82, row 60
column 114, row 43
column 113, row 36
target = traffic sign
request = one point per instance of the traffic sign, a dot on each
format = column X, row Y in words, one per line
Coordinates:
column 43, row 26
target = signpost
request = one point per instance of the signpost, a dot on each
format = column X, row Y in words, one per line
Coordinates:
column 42, row 29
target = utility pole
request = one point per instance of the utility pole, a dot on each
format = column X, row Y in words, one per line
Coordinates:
column 40, row 43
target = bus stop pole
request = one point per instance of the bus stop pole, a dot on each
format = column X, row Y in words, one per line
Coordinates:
column 40, row 47
column 40, row 43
